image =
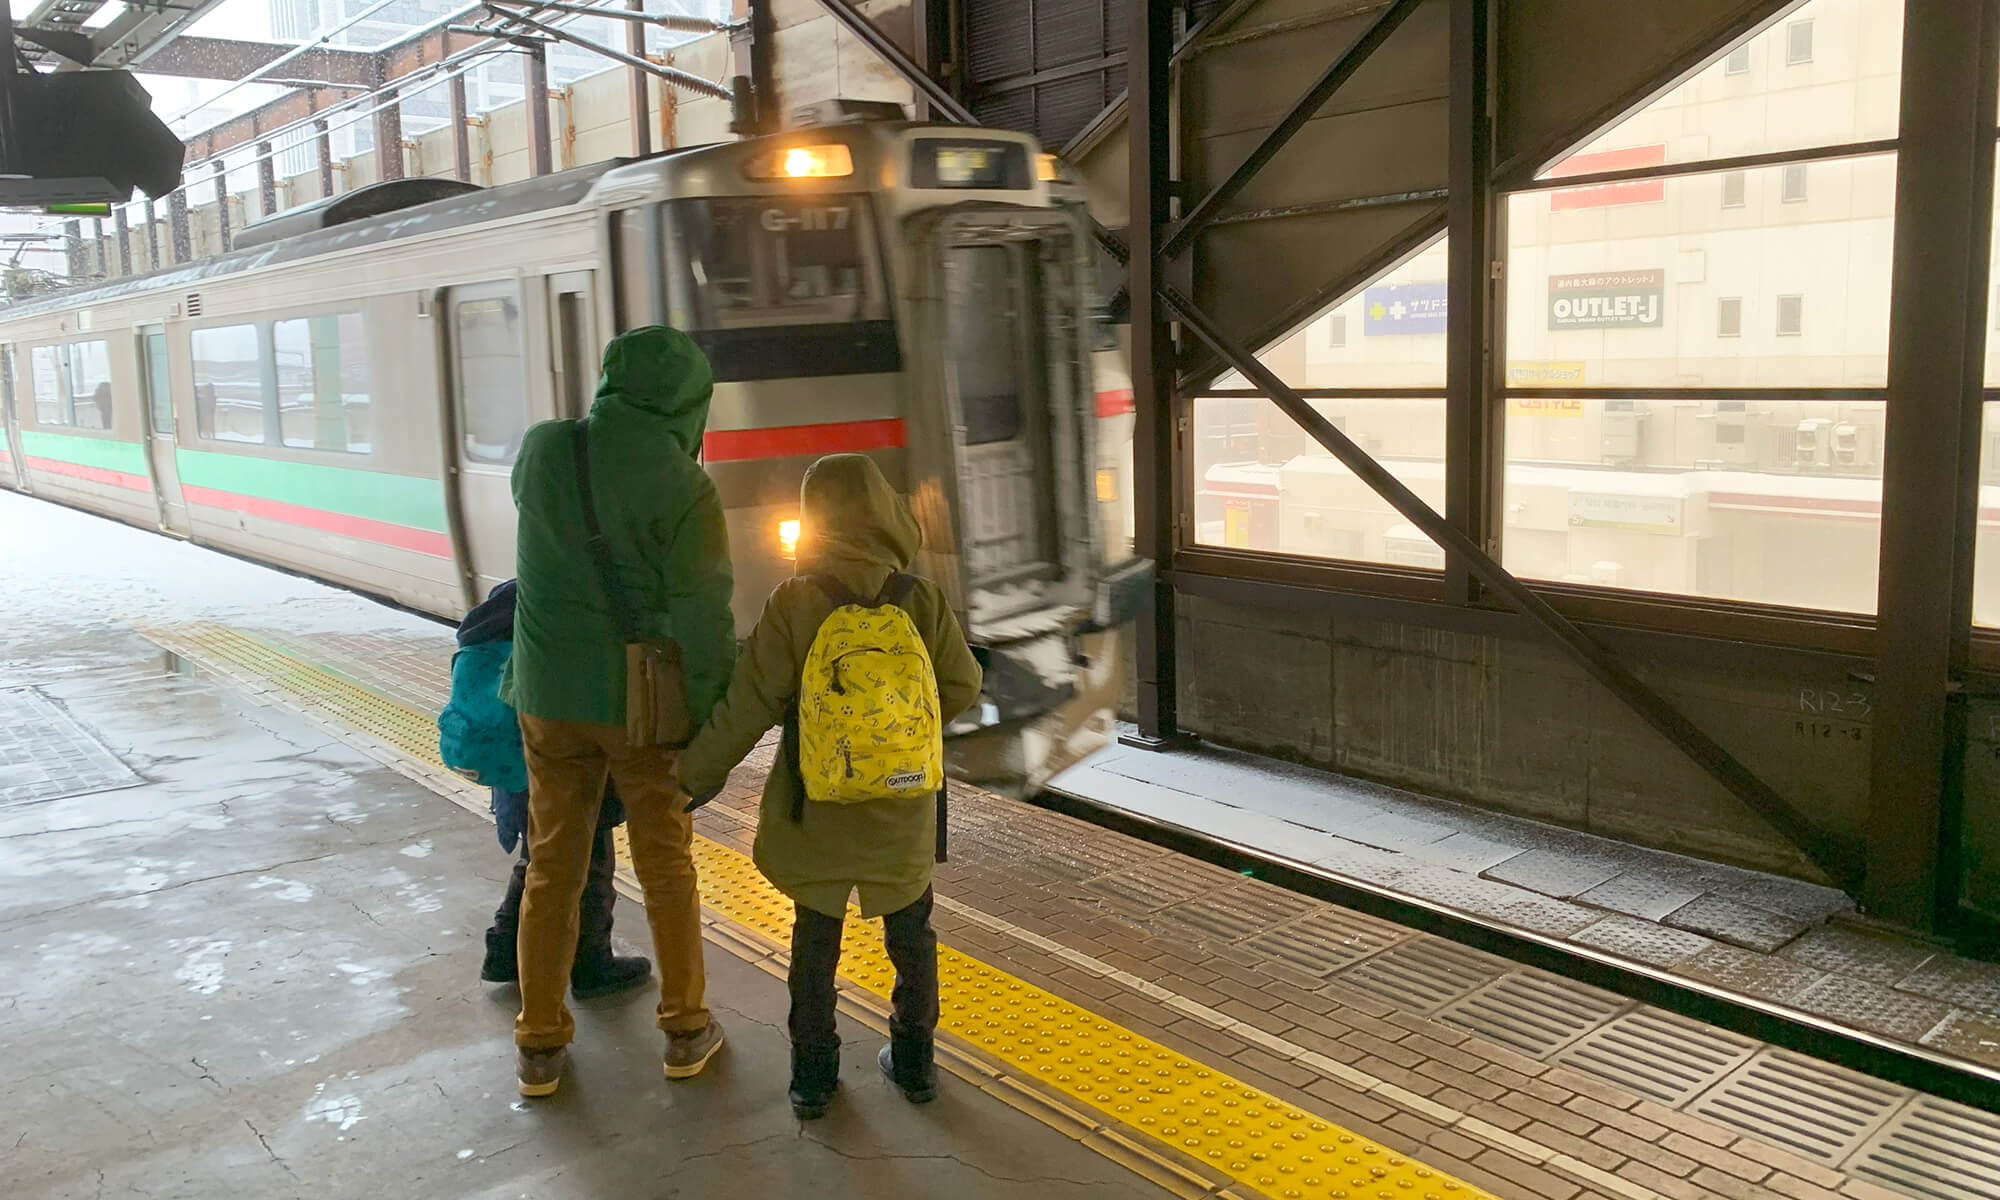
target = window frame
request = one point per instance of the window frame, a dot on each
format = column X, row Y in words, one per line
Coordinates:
column 64, row 366
column 1787, row 174
column 1740, row 181
column 1793, row 57
column 1798, row 302
column 1721, row 329
column 1336, row 332
column 273, row 439
column 1737, row 61
column 489, row 291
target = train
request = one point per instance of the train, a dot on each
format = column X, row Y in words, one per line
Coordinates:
column 343, row 393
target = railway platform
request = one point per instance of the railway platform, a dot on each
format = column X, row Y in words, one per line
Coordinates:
column 240, row 907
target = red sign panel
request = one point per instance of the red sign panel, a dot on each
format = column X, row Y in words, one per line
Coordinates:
column 1605, row 195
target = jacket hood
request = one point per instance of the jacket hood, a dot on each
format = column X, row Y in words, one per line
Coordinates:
column 659, row 372
column 492, row 619
column 850, row 516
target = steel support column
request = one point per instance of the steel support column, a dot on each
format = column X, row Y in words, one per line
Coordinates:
column 323, row 148
column 177, row 225
column 461, row 135
column 73, row 249
column 1474, row 425
column 152, row 237
column 123, row 225
column 389, row 136
column 222, row 204
column 535, row 70
column 1155, row 501
column 267, row 181
column 640, row 86
column 1930, row 468
column 103, row 251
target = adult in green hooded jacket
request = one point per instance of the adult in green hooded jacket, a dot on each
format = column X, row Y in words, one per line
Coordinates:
column 661, row 516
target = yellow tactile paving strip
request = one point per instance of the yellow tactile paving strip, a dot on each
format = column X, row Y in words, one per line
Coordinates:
column 1238, row 1133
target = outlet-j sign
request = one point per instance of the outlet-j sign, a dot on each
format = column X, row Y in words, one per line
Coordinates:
column 1608, row 300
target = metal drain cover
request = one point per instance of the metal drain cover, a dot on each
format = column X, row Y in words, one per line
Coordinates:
column 1658, row 1055
column 1239, row 913
column 1424, row 973
column 1534, row 1014
column 1801, row 1105
column 1326, row 941
column 46, row 755
column 1936, row 1149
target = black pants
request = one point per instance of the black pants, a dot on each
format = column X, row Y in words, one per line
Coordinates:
column 912, row 947
column 593, row 932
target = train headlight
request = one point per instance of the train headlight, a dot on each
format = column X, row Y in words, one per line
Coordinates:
column 818, row 162
column 1046, row 168
column 788, row 538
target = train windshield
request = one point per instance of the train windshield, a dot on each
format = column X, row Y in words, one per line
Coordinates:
column 748, row 262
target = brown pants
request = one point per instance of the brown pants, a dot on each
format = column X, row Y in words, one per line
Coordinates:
column 567, row 761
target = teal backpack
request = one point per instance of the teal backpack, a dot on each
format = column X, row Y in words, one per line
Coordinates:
column 479, row 736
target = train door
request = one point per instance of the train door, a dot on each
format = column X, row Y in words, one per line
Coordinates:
column 14, row 472
column 1006, row 485
column 576, row 345
column 492, row 405
column 157, row 411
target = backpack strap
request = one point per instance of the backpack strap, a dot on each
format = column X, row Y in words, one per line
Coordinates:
column 895, row 589
column 835, row 590
column 595, row 541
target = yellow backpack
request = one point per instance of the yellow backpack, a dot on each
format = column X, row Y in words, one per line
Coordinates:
column 868, row 702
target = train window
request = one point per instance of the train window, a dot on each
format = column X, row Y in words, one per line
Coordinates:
column 230, row 397
column 981, row 320
column 49, row 406
column 73, row 384
column 492, row 379
column 324, row 399
column 750, row 261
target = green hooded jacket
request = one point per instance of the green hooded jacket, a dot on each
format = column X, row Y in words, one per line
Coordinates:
column 662, row 518
column 855, row 528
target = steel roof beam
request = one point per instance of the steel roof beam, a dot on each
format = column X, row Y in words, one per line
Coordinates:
column 222, row 58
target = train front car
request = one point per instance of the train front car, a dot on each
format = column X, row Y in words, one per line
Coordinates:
column 917, row 294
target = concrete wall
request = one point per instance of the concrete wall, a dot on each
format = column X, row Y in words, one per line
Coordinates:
column 1515, row 725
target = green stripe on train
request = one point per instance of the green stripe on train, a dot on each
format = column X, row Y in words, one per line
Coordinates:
column 102, row 453
column 398, row 499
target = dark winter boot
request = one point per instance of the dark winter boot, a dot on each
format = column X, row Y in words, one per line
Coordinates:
column 907, row 1063
column 596, row 972
column 815, row 1078
column 502, row 964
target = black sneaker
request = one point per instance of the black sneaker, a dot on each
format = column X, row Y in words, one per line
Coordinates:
column 608, row 976
column 810, row 1101
column 500, row 965
column 918, row 1086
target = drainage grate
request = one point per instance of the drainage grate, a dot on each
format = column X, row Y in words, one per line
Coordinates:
column 1658, row 1055
column 1936, row 1149
column 1424, row 974
column 1801, row 1105
column 46, row 755
column 1140, row 891
column 1534, row 1014
column 1326, row 941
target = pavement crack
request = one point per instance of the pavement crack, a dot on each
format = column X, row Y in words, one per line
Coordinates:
column 266, row 1143
column 206, row 1074
column 732, row 1147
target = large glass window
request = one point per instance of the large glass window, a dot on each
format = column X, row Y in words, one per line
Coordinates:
column 1262, row 483
column 982, row 315
column 229, row 379
column 492, row 378
column 1770, row 500
column 302, row 383
column 72, row 385
column 1627, row 295
column 755, row 261
column 1830, row 74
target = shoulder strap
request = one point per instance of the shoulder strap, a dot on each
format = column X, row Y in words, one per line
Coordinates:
column 835, row 590
column 895, row 589
column 595, row 543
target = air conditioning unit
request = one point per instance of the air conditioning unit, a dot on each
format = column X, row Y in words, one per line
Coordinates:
column 1731, row 436
column 1813, row 445
column 1620, row 434
column 1855, row 446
